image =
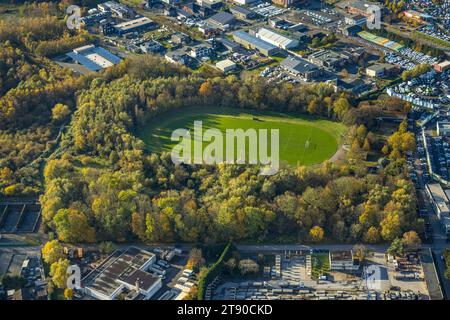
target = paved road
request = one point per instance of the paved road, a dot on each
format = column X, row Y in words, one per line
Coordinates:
column 293, row 247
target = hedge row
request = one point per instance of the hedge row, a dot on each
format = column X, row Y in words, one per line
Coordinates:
column 215, row 269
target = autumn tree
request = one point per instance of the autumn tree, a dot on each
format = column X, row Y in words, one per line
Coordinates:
column 411, row 241
column 72, row 226
column 391, row 226
column 316, row 233
column 360, row 252
column 60, row 112
column 58, row 272
column 396, row 247
column 52, row 252
column 68, row 293
column 372, row 235
column 195, row 259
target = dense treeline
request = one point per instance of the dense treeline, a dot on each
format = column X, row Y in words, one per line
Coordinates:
column 30, row 88
column 107, row 181
column 19, row 174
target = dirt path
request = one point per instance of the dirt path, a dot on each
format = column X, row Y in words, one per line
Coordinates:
column 339, row 155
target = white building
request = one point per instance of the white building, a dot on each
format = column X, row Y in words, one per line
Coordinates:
column 438, row 199
column 243, row 2
column 276, row 39
column 93, row 58
column 440, row 203
column 124, row 273
column 226, row 65
column 200, row 51
column 342, row 260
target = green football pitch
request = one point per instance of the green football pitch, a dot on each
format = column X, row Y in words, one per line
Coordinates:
column 303, row 140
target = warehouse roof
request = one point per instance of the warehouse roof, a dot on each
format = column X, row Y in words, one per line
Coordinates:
column 128, row 25
column 119, row 266
column 358, row 4
column 229, row 43
column 298, row 65
column 146, row 280
column 225, row 64
column 254, row 40
column 439, row 196
column 275, row 37
column 93, row 58
column 241, row 10
column 222, row 18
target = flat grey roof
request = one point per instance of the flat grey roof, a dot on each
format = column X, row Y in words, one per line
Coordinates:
column 229, row 43
column 438, row 195
column 127, row 25
column 298, row 65
column 145, row 279
column 241, row 10
column 222, row 18
column 358, row 4
column 254, row 40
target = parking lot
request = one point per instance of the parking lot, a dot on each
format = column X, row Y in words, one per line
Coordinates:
column 267, row 10
column 402, row 279
column 325, row 19
column 435, row 32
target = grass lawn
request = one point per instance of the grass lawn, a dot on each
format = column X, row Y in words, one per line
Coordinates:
column 320, row 265
column 294, row 131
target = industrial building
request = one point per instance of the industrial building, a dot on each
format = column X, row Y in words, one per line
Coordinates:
column 95, row 18
column 93, row 58
column 328, row 59
column 229, row 44
column 137, row 25
column 355, row 20
column 253, row 42
column 210, row 4
column 440, row 204
column 242, row 13
column 380, row 70
column 244, row 2
column 443, row 66
column 443, row 128
column 123, row 273
column 359, row 7
column 226, row 65
column 343, row 260
column 276, row 39
column 301, row 68
column 118, row 9
column 107, row 29
column 222, row 20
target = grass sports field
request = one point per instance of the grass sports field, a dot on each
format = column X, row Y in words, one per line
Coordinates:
column 303, row 140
